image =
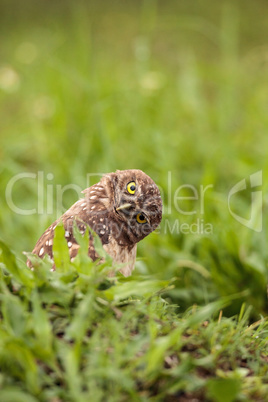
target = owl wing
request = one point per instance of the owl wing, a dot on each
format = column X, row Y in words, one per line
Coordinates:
column 91, row 211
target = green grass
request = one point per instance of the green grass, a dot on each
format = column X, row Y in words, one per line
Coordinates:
column 176, row 89
column 76, row 335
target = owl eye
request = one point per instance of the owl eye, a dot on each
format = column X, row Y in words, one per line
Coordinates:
column 141, row 218
column 131, row 187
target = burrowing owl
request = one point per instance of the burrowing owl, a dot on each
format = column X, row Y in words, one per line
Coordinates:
column 122, row 209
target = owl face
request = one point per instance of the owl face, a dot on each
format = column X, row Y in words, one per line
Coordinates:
column 136, row 205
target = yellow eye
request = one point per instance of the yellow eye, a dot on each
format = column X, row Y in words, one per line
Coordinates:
column 141, row 218
column 131, row 187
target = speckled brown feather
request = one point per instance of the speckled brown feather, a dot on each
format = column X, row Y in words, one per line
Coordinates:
column 119, row 232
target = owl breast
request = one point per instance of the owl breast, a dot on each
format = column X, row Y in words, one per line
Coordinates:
column 123, row 256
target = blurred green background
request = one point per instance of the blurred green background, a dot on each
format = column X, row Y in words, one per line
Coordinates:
column 175, row 88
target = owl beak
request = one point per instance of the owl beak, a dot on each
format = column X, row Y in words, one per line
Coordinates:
column 123, row 206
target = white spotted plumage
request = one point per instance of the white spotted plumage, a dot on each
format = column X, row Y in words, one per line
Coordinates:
column 111, row 211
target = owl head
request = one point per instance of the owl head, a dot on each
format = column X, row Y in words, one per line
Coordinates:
column 134, row 204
